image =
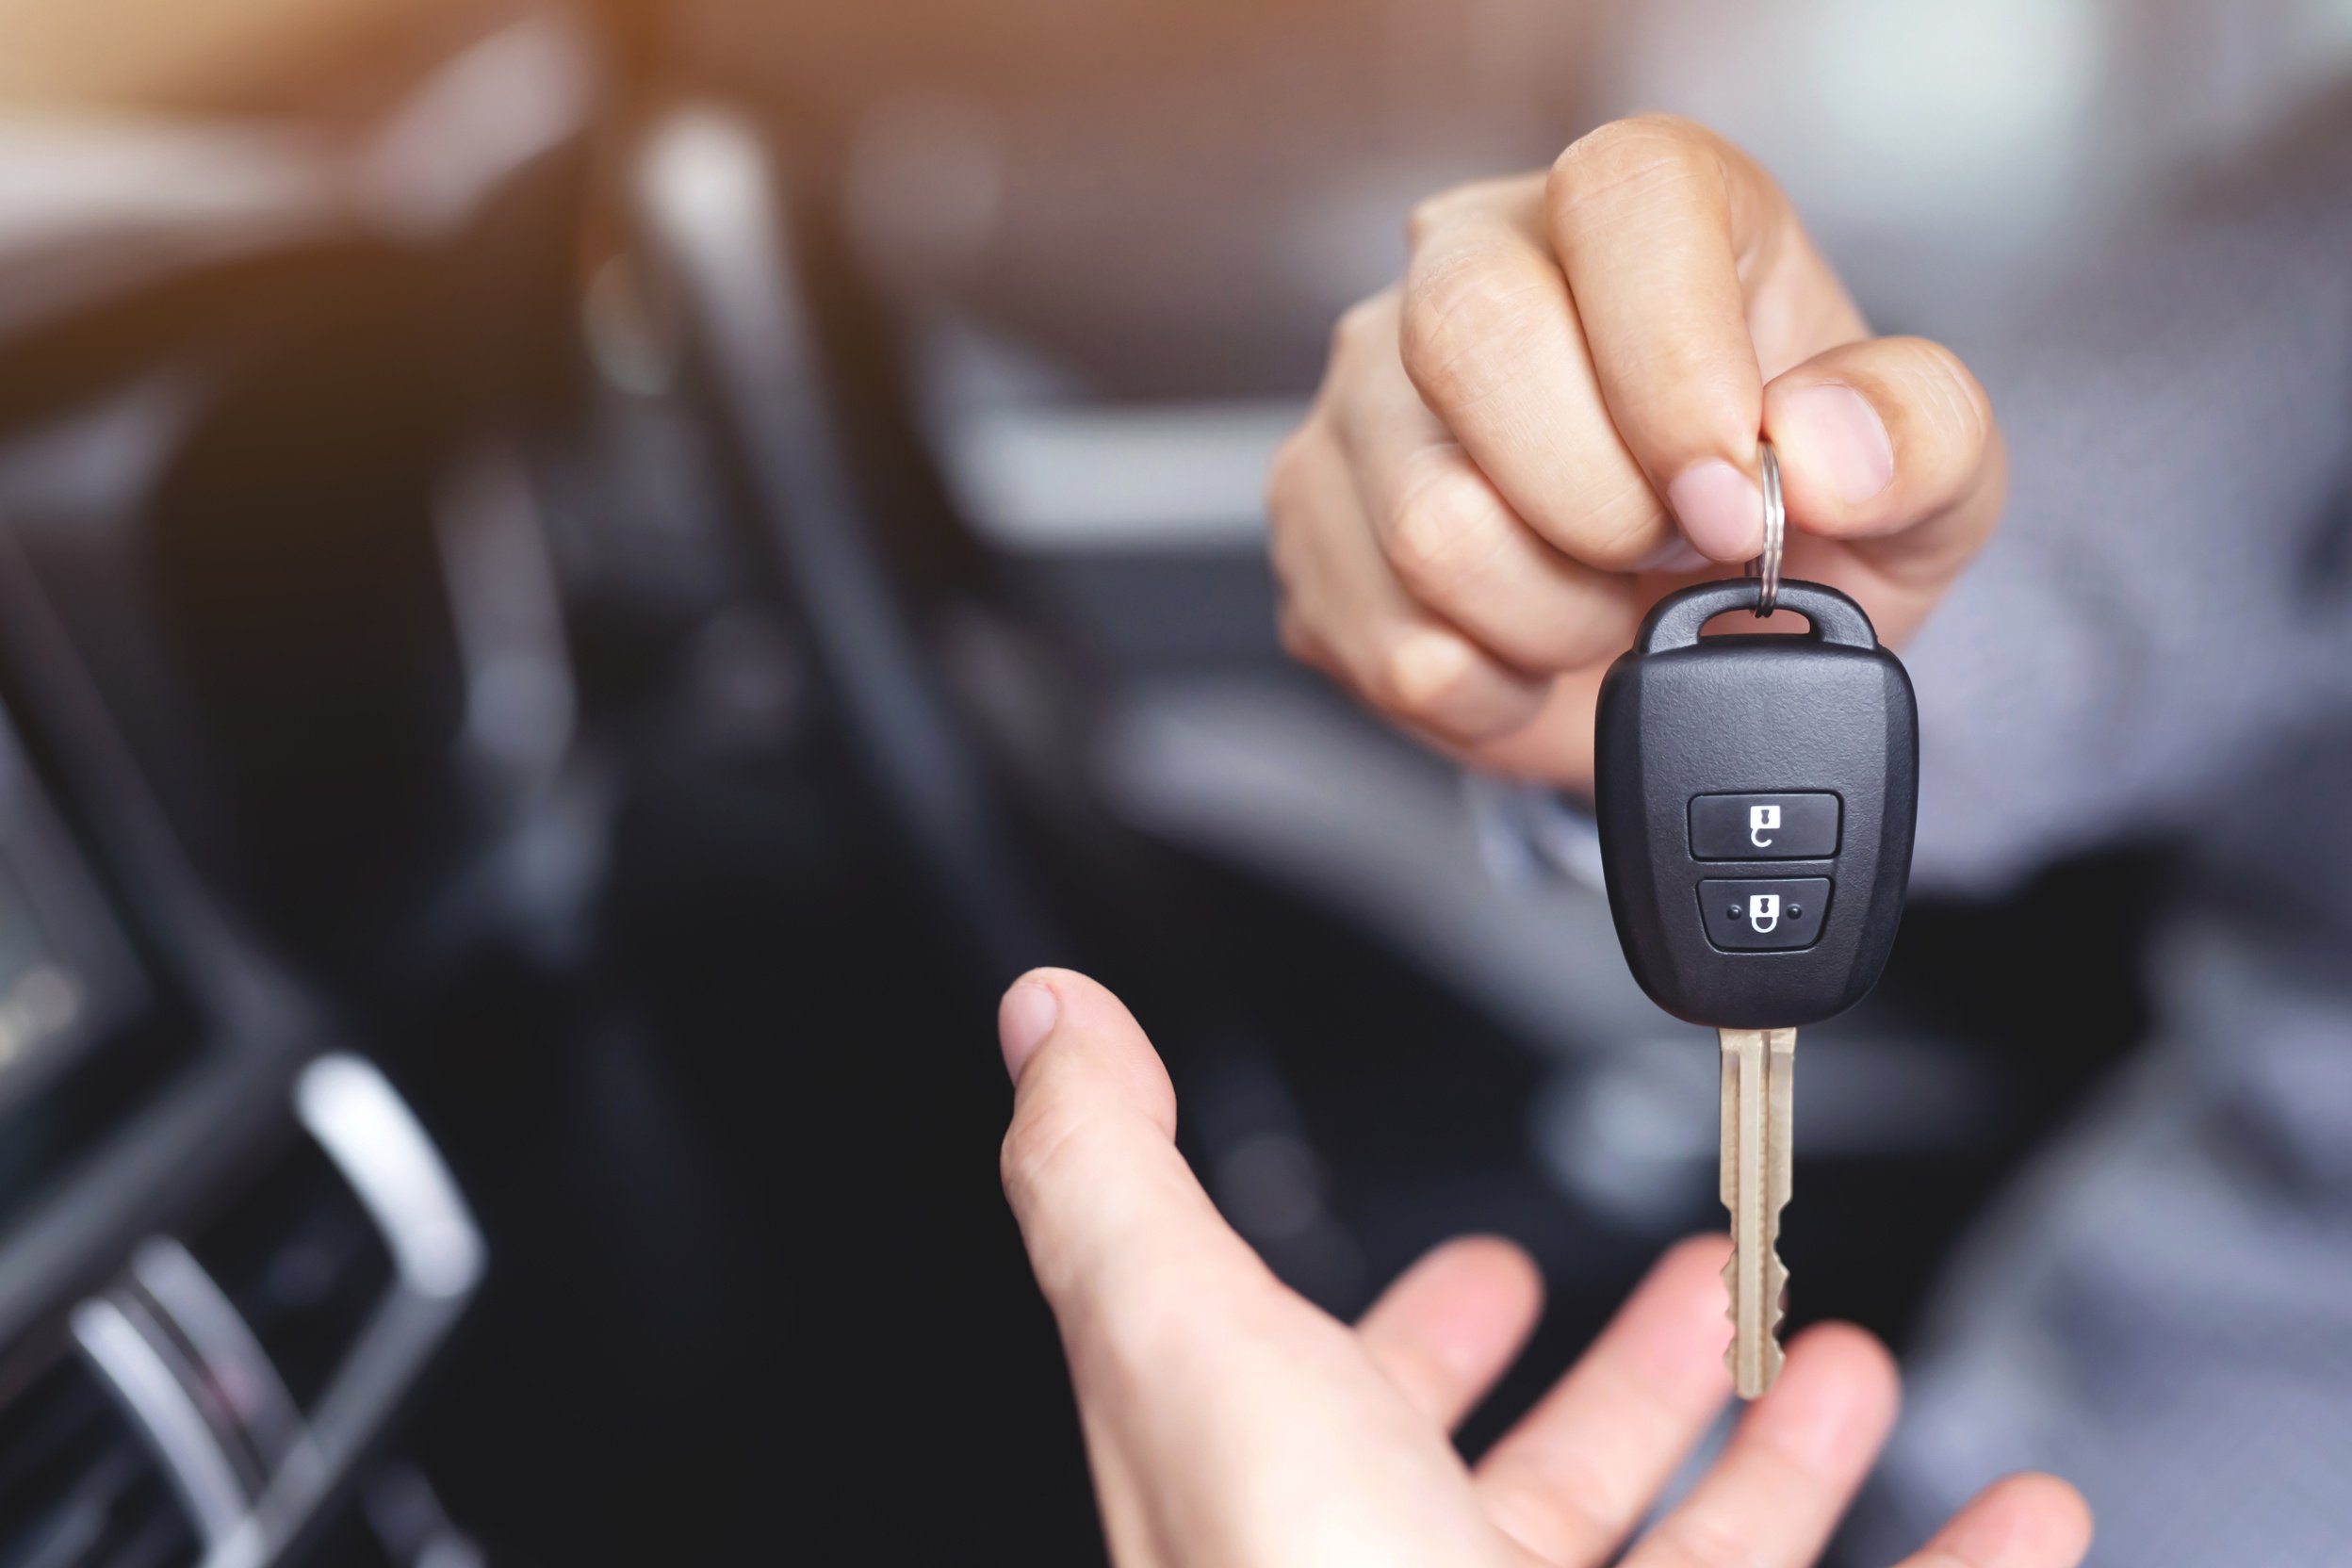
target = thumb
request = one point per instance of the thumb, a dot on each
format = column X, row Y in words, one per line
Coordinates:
column 1879, row 437
column 1114, row 1220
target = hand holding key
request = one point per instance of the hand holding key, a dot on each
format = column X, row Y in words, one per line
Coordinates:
column 1560, row 418
column 1554, row 420
column 1230, row 1422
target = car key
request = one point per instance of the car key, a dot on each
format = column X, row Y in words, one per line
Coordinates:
column 1755, row 796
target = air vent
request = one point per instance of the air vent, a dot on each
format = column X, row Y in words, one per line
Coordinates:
column 79, row 1489
column 304, row 1264
column 255, row 1368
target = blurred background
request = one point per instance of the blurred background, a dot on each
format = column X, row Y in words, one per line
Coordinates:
column 581, row 585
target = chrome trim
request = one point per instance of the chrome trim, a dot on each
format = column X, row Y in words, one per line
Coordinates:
column 382, row 1150
column 154, row 1397
column 374, row 1378
column 231, row 1357
column 377, row 1142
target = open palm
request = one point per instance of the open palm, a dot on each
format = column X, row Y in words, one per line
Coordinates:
column 1231, row 1422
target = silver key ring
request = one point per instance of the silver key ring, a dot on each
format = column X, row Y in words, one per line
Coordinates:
column 1765, row 569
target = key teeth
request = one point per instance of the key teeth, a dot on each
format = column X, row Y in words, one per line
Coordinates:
column 1776, row 1310
column 1731, row 1313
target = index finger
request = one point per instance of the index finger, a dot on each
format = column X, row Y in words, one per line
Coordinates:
column 1489, row 339
column 1694, row 285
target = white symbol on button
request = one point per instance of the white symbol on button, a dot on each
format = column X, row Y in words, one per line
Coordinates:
column 1762, row 820
column 1763, row 908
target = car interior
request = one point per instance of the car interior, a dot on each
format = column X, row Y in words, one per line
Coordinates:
column 565, row 630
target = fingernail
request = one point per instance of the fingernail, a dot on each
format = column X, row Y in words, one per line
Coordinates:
column 1833, row 435
column 1720, row 510
column 1024, row 1018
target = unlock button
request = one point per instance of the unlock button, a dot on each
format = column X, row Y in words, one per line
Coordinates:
column 1764, row 828
column 1779, row 915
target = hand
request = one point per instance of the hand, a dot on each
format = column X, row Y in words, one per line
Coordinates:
column 1554, row 421
column 1231, row 1423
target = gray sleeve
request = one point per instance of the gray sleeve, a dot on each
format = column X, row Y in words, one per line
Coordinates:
column 2170, row 592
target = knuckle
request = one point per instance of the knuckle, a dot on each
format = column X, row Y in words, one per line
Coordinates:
column 1038, row 1143
column 1954, row 400
column 1645, row 152
column 1019, row 1158
column 1014, row 1164
column 1438, row 534
column 1427, row 214
column 1462, row 322
column 1416, row 678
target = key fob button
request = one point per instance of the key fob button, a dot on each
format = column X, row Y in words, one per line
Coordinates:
column 1764, row 828
column 1780, row 914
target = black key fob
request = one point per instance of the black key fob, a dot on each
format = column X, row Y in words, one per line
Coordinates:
column 1756, row 795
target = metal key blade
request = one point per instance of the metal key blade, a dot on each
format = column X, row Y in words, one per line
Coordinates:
column 1758, row 1073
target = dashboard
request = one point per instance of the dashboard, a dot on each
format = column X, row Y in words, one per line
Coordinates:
column 228, row 1248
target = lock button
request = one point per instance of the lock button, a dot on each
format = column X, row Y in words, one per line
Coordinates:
column 1764, row 828
column 1778, row 915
